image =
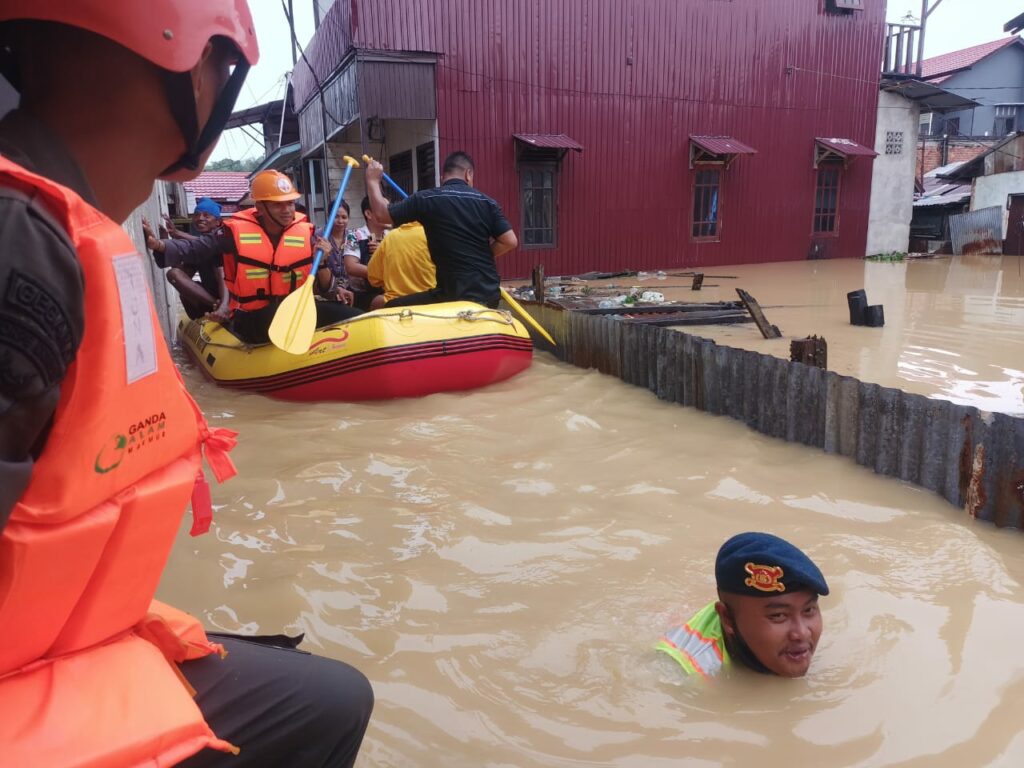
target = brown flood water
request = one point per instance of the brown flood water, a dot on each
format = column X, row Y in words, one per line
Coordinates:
column 499, row 564
column 954, row 325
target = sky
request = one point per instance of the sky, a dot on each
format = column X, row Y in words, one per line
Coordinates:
column 266, row 80
column 954, row 24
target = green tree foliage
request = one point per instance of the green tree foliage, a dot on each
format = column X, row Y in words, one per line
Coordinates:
column 227, row 164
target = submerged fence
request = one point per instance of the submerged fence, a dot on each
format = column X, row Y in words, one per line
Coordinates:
column 973, row 459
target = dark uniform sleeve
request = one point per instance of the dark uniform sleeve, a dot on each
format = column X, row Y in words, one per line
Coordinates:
column 198, row 252
column 405, row 211
column 499, row 224
column 42, row 305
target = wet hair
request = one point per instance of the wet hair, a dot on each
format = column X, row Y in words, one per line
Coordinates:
column 365, row 205
column 458, row 161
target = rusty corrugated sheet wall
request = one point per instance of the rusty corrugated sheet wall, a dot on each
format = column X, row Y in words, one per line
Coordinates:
column 978, row 231
column 631, row 80
column 975, row 460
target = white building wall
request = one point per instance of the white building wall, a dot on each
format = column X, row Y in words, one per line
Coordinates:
column 892, row 177
column 165, row 298
column 400, row 135
column 995, row 189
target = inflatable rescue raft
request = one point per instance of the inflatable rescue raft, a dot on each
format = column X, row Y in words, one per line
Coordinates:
column 399, row 352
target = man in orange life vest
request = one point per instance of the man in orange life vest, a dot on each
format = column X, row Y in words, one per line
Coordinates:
column 93, row 670
column 766, row 616
column 267, row 251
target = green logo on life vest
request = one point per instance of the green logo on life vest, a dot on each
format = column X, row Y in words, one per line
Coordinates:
column 111, row 455
column 141, row 434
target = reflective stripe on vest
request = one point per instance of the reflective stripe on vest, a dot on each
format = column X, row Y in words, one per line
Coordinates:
column 698, row 646
column 258, row 273
column 85, row 676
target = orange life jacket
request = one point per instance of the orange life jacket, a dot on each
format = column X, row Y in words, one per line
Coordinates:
column 86, row 662
column 257, row 272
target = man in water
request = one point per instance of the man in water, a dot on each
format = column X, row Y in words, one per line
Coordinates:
column 766, row 616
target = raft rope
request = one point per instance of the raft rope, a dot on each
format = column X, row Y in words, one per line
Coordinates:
column 469, row 315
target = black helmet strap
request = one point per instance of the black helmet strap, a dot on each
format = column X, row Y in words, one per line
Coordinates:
column 181, row 99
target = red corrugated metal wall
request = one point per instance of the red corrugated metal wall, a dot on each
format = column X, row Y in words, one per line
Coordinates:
column 631, row 80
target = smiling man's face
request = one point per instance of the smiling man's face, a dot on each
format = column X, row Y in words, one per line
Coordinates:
column 781, row 630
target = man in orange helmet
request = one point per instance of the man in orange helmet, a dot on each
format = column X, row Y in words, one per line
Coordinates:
column 267, row 251
column 93, row 670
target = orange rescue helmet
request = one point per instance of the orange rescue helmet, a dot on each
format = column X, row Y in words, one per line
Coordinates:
column 272, row 186
column 169, row 33
column 172, row 35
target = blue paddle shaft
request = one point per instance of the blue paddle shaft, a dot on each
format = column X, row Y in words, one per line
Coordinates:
column 330, row 220
column 394, row 184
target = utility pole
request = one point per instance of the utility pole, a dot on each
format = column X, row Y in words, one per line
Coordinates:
column 291, row 15
column 926, row 11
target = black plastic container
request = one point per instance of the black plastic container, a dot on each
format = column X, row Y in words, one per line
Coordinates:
column 858, row 303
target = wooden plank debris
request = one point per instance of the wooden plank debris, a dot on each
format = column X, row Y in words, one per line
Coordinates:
column 767, row 330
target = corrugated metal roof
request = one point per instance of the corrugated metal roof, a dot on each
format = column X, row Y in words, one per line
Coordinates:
column 976, row 165
column 722, row 145
column 948, row 194
column 280, row 158
column 941, row 171
column 220, row 185
column 928, row 95
column 548, row 141
column 938, row 68
column 846, row 147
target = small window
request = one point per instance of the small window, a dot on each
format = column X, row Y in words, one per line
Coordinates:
column 706, row 207
column 538, row 188
column 425, row 166
column 925, row 126
column 1006, row 120
column 843, row 7
column 399, row 169
column 894, row 142
column 826, row 198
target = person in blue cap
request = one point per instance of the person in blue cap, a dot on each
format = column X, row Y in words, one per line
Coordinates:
column 766, row 616
column 198, row 297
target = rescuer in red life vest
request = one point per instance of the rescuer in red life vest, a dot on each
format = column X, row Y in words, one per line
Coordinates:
column 267, row 250
column 101, row 447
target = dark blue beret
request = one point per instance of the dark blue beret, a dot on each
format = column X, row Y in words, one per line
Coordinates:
column 760, row 565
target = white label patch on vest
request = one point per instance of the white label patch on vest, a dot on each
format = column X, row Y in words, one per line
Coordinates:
column 136, row 322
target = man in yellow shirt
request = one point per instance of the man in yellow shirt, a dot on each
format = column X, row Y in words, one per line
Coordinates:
column 401, row 264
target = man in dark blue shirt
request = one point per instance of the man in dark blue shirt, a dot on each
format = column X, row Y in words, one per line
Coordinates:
column 466, row 231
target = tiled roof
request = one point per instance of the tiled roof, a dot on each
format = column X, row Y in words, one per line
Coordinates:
column 957, row 60
column 230, row 186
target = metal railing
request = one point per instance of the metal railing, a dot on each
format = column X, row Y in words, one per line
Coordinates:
column 900, row 53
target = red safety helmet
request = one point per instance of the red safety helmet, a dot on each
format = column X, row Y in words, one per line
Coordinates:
column 172, row 35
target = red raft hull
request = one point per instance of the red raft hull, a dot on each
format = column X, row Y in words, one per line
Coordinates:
column 382, row 355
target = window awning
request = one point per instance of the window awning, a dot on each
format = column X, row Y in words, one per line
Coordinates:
column 548, row 141
column 839, row 148
column 717, row 149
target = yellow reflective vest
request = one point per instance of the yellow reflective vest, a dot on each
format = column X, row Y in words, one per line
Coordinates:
column 698, row 645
